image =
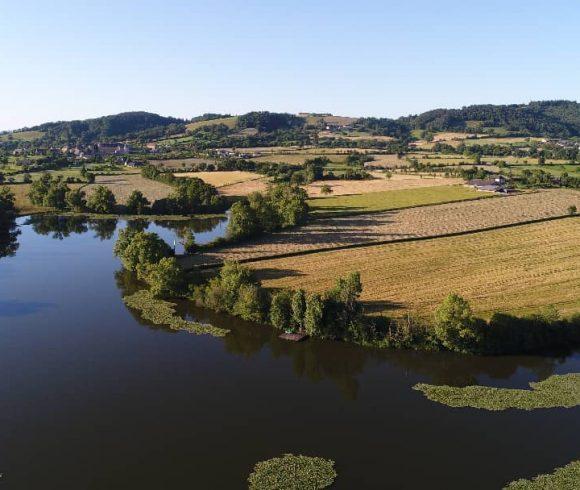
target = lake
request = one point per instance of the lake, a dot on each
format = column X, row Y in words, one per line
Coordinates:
column 93, row 397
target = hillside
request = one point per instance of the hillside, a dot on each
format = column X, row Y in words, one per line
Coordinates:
column 559, row 118
column 118, row 126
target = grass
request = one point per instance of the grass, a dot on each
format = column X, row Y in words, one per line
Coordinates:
column 558, row 391
column 389, row 200
column 290, row 472
column 518, row 270
column 565, row 478
column 230, row 122
column 162, row 312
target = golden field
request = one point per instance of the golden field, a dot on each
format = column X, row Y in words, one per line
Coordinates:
column 409, row 223
column 518, row 270
column 221, row 179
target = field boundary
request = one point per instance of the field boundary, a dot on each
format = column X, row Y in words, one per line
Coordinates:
column 382, row 242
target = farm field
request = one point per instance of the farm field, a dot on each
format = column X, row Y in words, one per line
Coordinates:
column 403, row 193
column 221, row 179
column 22, row 203
column 418, row 222
column 517, row 270
column 299, row 158
column 123, row 185
column 245, row 188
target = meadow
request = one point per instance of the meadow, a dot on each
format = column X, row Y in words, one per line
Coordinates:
column 517, row 270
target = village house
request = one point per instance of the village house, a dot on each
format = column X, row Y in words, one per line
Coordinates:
column 494, row 184
column 106, row 149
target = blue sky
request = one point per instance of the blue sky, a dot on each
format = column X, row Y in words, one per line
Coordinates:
column 77, row 59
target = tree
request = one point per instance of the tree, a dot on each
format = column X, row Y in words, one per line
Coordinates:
column 455, row 326
column 249, row 305
column 314, row 315
column 165, row 278
column 102, row 200
column 298, row 308
column 90, row 178
column 75, row 200
column 137, row 203
column 26, row 178
column 7, row 200
column 281, row 310
column 136, row 248
column 2, row 178
column 572, row 210
column 243, row 222
column 55, row 196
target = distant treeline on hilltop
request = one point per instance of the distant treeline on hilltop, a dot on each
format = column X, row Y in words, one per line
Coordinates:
column 554, row 119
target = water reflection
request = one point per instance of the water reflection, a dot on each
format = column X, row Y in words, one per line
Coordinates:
column 343, row 363
column 8, row 237
column 60, row 227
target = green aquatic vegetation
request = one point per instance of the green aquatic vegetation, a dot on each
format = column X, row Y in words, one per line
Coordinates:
column 290, row 472
column 162, row 312
column 555, row 391
column 565, row 478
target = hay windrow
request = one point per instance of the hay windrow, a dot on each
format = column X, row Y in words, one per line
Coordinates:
column 162, row 312
column 290, row 472
column 565, row 478
column 558, row 391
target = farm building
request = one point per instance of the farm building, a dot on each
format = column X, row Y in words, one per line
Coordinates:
column 496, row 184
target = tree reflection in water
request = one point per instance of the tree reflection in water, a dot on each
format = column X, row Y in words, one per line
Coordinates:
column 343, row 363
column 8, row 236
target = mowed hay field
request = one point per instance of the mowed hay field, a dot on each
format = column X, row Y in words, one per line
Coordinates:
column 221, row 179
column 123, row 185
column 410, row 223
column 518, row 270
column 377, row 184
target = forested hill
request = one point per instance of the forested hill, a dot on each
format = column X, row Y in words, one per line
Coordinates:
column 118, row 126
column 558, row 118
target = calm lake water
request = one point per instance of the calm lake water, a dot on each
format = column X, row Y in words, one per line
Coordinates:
column 93, row 397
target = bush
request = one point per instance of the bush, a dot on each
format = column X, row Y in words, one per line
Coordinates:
column 102, row 200
column 6, row 202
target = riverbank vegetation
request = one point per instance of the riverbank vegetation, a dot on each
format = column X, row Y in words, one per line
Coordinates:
column 162, row 312
column 338, row 313
column 290, row 472
column 565, row 478
column 554, row 392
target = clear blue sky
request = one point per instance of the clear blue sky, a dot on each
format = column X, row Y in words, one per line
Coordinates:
column 76, row 59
